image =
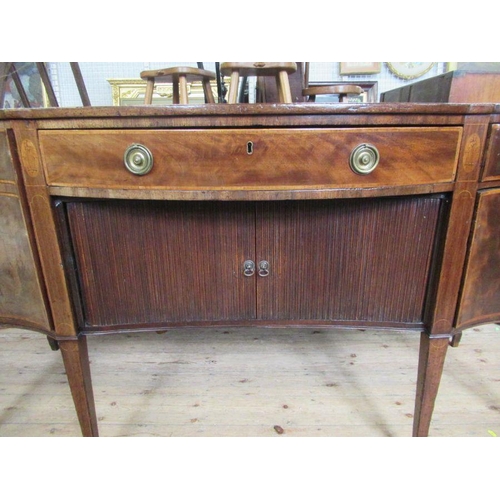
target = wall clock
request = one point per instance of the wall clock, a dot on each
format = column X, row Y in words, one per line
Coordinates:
column 410, row 70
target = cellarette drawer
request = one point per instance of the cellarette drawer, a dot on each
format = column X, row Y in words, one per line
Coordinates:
column 250, row 158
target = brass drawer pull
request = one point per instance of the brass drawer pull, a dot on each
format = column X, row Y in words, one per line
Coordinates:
column 364, row 159
column 138, row 159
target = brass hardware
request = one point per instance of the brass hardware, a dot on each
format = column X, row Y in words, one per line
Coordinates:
column 263, row 268
column 249, row 268
column 249, row 147
column 138, row 159
column 364, row 159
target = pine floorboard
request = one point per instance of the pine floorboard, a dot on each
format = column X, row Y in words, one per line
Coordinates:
column 251, row 383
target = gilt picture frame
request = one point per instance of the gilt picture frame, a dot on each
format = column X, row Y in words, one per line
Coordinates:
column 360, row 68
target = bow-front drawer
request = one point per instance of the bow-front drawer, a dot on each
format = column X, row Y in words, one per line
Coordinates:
column 250, row 158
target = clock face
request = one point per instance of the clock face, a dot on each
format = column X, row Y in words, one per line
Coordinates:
column 409, row 70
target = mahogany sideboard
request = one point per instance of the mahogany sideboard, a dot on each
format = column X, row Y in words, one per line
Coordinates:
column 276, row 215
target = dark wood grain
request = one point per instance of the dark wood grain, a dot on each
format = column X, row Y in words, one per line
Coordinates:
column 21, row 296
column 491, row 170
column 147, row 262
column 270, row 159
column 480, row 301
column 346, row 260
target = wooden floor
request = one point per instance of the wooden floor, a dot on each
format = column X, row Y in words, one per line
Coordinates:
column 276, row 383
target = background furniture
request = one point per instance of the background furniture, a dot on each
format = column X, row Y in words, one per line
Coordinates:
column 178, row 77
column 454, row 86
column 310, row 91
column 9, row 70
column 277, row 70
column 131, row 219
column 132, row 92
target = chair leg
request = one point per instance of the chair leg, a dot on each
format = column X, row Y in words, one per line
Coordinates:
column 280, row 89
column 148, row 99
column 175, row 88
column 183, row 92
column 209, row 96
column 233, row 87
column 284, row 86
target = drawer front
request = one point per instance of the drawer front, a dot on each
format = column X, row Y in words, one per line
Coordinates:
column 250, row 159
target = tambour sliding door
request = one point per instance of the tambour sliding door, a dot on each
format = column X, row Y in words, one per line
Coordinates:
column 147, row 263
column 346, row 260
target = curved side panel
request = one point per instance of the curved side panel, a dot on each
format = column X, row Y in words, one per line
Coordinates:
column 21, row 299
column 480, row 301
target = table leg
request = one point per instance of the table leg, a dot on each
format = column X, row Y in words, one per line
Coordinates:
column 430, row 367
column 76, row 361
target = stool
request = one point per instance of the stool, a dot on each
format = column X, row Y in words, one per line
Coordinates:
column 342, row 90
column 178, row 76
column 280, row 70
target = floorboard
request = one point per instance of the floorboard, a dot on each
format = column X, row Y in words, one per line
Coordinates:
column 251, row 382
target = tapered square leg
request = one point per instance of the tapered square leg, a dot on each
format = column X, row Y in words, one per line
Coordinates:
column 430, row 368
column 76, row 361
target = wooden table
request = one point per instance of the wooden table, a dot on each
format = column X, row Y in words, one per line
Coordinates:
column 144, row 218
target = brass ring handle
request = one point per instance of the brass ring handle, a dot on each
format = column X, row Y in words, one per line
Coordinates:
column 263, row 268
column 249, row 268
column 364, row 159
column 138, row 159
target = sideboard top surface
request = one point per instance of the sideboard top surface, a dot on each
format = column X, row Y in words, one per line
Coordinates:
column 235, row 110
column 251, row 116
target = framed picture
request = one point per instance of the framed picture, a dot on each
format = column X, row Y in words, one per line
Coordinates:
column 359, row 68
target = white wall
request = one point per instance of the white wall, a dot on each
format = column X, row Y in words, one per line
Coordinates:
column 96, row 74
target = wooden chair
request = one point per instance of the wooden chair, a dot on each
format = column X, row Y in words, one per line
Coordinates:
column 178, row 76
column 343, row 91
column 278, row 70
